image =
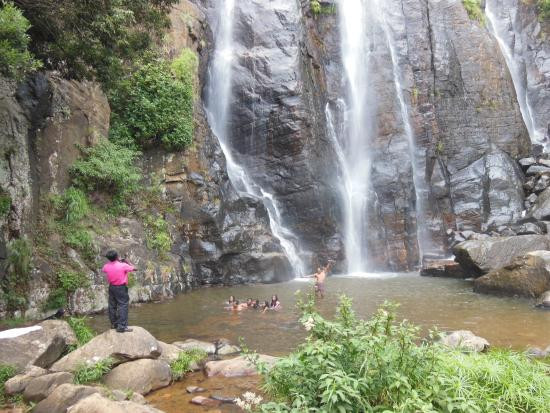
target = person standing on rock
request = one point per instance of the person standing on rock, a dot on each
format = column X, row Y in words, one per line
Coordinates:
column 117, row 276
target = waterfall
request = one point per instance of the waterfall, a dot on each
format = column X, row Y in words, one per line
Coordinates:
column 353, row 142
column 218, row 97
column 362, row 22
column 500, row 25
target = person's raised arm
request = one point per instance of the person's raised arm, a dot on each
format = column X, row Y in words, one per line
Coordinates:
column 129, row 267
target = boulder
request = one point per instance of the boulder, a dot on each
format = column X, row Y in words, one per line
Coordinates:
column 442, row 268
column 537, row 170
column 527, row 162
column 191, row 344
column 478, row 257
column 169, row 352
column 98, row 404
column 544, row 300
column 237, row 367
column 529, row 228
column 141, row 376
column 526, row 276
column 18, row 383
column 225, row 348
column 541, row 208
column 39, row 345
column 63, row 397
column 40, row 387
column 466, row 340
column 121, row 347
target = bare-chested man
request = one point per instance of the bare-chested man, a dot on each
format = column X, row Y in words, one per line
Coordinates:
column 320, row 277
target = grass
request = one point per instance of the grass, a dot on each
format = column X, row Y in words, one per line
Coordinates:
column 6, row 373
column 473, row 7
column 81, row 329
column 182, row 364
column 92, row 373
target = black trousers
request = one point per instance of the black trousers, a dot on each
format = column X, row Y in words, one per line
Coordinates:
column 118, row 306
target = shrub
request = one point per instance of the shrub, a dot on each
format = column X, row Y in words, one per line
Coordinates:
column 75, row 205
column 92, row 373
column 81, row 240
column 315, row 7
column 157, row 236
column 473, row 7
column 70, row 280
column 155, row 105
column 544, row 8
column 82, row 331
column 17, row 269
column 57, row 298
column 94, row 39
column 182, row 364
column 350, row 365
column 107, row 167
column 5, row 204
column 15, row 59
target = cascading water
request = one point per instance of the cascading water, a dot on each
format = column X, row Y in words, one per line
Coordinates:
column 363, row 22
column 353, row 143
column 500, row 24
column 218, row 98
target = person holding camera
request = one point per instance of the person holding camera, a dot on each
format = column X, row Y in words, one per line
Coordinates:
column 117, row 275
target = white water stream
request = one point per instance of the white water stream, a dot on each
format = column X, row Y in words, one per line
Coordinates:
column 500, row 25
column 218, row 100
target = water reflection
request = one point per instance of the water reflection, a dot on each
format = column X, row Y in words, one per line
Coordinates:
column 445, row 303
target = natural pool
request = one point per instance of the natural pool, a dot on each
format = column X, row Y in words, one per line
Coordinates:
column 446, row 303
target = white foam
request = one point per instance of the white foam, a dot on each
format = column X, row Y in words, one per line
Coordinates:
column 16, row 332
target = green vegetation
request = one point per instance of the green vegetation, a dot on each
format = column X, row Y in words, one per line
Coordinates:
column 155, row 104
column 473, row 7
column 5, row 204
column 74, row 205
column 544, row 8
column 15, row 283
column 82, row 331
column 92, row 373
column 66, row 283
column 6, row 373
column 157, row 236
column 315, row 7
column 15, row 58
column 182, row 364
column 94, row 39
column 109, row 168
column 80, row 239
column 380, row 365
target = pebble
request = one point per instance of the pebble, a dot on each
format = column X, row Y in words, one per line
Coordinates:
column 194, row 389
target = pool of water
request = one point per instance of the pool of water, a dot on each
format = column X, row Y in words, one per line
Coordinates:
column 446, row 303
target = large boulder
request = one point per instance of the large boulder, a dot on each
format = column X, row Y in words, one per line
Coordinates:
column 465, row 340
column 141, row 376
column 478, row 257
column 526, row 276
column 63, row 397
column 18, row 383
column 120, row 347
column 40, row 345
column 40, row 387
column 98, row 404
column 237, row 367
column 442, row 268
column 541, row 208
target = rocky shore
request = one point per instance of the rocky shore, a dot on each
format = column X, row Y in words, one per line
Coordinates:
column 49, row 375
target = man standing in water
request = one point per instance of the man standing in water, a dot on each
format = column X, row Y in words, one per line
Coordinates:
column 117, row 276
column 320, row 277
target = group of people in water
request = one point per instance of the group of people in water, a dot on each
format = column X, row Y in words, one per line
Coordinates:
column 250, row 304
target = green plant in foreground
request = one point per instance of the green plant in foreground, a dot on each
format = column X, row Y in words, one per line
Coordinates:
column 15, row 59
column 6, row 373
column 182, row 364
column 92, row 373
column 81, row 329
column 473, row 7
column 351, row 365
